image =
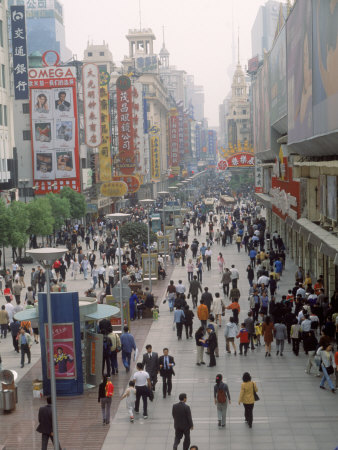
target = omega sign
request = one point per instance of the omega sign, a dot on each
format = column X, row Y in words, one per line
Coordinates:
column 51, row 73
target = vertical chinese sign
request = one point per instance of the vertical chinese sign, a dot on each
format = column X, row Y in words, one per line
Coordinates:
column 186, row 133
column 19, row 44
column 138, row 125
column 155, row 155
column 91, row 102
column 180, row 128
column 124, row 97
column 174, row 155
column 104, row 148
column 54, row 128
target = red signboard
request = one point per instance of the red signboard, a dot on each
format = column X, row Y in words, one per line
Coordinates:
column 222, row 165
column 241, row 160
column 54, row 129
column 127, row 157
column 132, row 182
column 186, row 134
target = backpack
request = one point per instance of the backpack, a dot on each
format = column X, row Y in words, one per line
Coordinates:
column 221, row 396
column 109, row 389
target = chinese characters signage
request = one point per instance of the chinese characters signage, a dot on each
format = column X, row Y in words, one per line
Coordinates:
column 174, row 156
column 20, row 67
column 155, row 153
column 186, row 134
column 91, row 101
column 54, row 129
column 138, row 126
column 241, row 160
column 146, row 64
column 124, row 97
column 104, row 149
column 258, row 177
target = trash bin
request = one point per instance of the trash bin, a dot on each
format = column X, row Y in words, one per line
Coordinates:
column 9, row 400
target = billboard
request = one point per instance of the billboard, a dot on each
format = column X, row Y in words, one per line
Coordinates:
column 19, row 52
column 127, row 158
column 325, row 63
column 138, row 124
column 54, row 129
column 104, row 148
column 299, row 72
column 63, row 351
column 155, row 155
column 277, row 66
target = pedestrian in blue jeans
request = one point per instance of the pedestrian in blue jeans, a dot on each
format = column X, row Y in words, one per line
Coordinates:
column 327, row 365
column 127, row 346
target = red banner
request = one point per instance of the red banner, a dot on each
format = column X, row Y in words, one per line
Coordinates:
column 124, row 95
column 241, row 160
column 186, row 134
column 174, row 155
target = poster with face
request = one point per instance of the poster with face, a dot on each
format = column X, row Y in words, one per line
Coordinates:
column 41, row 104
column 42, row 134
column 64, row 359
column 65, row 167
column 64, row 133
column 44, row 166
column 63, row 102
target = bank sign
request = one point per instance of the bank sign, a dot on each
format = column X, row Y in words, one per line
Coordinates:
column 19, row 45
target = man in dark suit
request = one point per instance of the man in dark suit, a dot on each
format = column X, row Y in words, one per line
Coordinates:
column 150, row 362
column 45, row 426
column 182, row 422
column 166, row 364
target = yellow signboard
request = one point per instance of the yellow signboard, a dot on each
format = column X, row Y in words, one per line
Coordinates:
column 155, row 157
column 104, row 148
column 114, row 189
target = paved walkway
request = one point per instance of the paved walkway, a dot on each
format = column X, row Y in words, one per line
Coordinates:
column 293, row 413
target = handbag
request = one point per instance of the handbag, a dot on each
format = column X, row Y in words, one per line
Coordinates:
column 329, row 370
column 255, row 393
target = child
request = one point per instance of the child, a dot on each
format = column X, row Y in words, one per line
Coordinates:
column 155, row 311
column 130, row 395
column 258, row 332
column 289, row 297
column 243, row 336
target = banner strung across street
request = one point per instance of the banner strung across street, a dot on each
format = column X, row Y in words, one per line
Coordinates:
column 54, row 129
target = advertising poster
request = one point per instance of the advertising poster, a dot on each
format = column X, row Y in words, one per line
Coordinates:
column 91, row 104
column 44, row 166
column 174, row 155
column 325, row 63
column 104, row 148
column 155, row 154
column 55, row 147
column 299, row 72
column 64, row 133
column 63, row 351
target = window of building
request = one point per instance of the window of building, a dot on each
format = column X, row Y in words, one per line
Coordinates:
column 148, row 107
column 1, row 34
column 26, row 135
column 145, row 88
column 234, row 113
column 1, row 116
column 25, row 108
column 101, row 53
column 5, row 116
column 103, row 68
column 244, row 112
column 90, row 53
column 3, row 75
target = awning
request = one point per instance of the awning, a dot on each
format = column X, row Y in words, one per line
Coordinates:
column 103, row 311
column 27, row 314
column 326, row 241
column 265, row 199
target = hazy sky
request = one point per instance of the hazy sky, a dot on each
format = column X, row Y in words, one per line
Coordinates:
column 198, row 35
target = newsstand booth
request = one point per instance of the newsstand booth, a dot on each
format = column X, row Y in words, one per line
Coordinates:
column 77, row 345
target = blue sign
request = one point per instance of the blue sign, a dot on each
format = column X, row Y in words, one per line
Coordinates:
column 19, row 49
column 145, row 115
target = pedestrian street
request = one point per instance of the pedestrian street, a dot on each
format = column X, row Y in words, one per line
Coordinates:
column 293, row 413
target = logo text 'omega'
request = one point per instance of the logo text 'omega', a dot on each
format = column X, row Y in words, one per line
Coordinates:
column 51, row 72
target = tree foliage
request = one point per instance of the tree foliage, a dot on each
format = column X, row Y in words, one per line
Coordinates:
column 77, row 202
column 5, row 224
column 136, row 233
column 60, row 209
column 41, row 220
column 19, row 217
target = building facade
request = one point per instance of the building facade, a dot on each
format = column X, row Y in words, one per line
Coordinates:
column 295, row 106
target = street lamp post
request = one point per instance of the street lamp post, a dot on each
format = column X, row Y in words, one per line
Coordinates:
column 164, row 194
column 147, row 203
column 119, row 217
column 46, row 257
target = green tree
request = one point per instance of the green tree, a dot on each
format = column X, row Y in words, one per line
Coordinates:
column 136, row 233
column 5, row 226
column 60, row 209
column 19, row 231
column 41, row 220
column 77, row 202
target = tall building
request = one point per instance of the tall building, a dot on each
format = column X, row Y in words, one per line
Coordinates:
column 45, row 27
column 264, row 27
column 7, row 172
column 100, row 55
column 172, row 78
column 195, row 98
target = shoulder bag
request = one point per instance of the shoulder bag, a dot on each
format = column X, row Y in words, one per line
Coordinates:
column 255, row 393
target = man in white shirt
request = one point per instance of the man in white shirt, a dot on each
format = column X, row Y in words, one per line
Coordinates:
column 143, row 386
column 234, row 276
column 102, row 275
column 95, row 275
column 10, row 310
column 180, row 288
column 300, row 291
column 208, row 254
column 263, row 280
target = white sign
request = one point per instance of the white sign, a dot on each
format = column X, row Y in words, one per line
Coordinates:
column 91, row 101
